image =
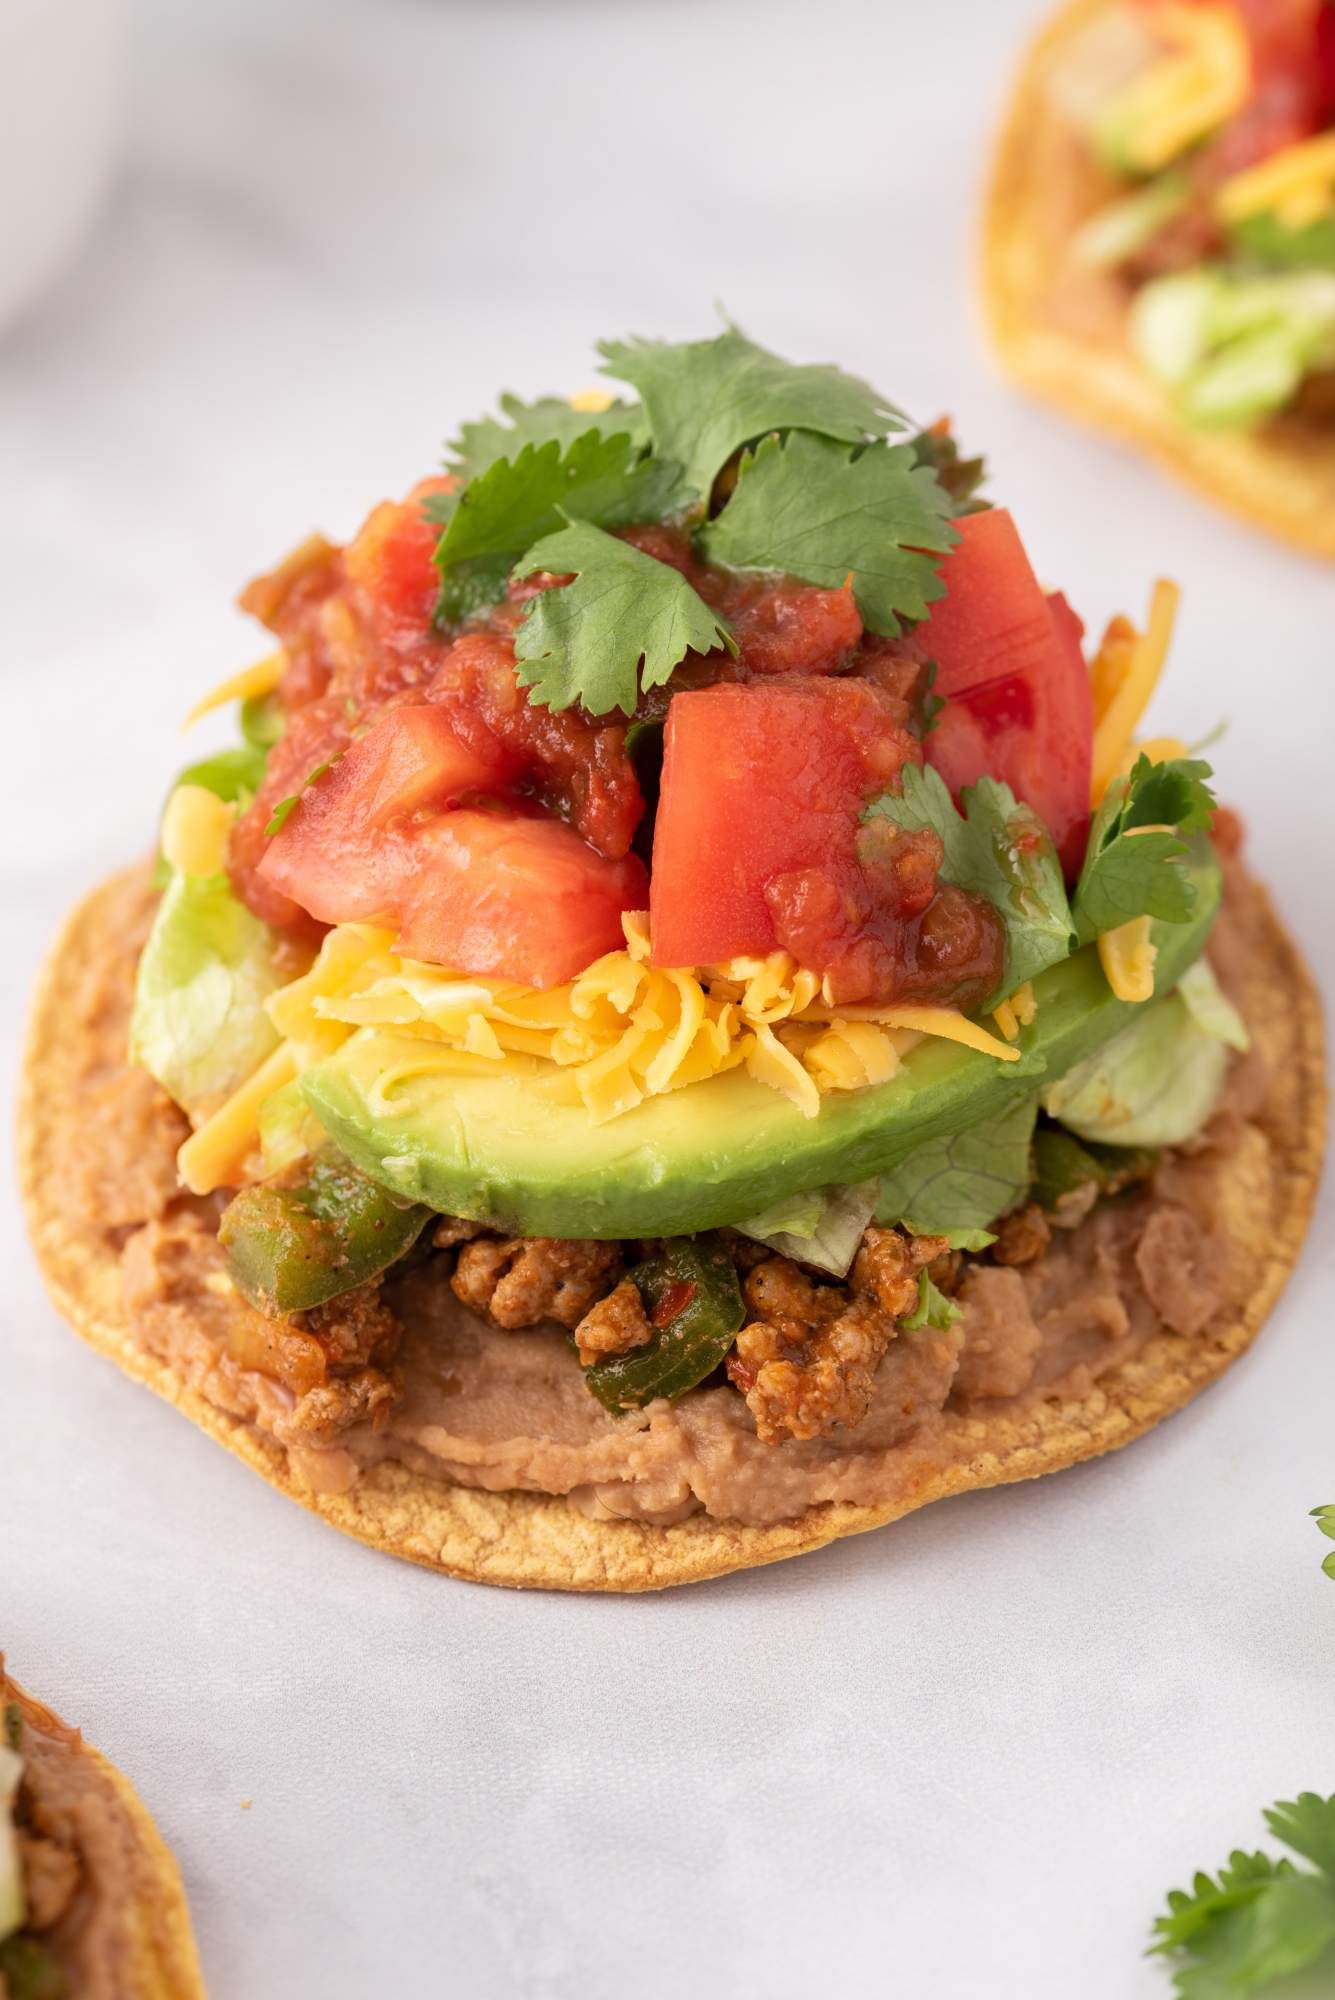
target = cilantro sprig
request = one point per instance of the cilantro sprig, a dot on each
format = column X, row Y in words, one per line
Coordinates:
column 516, row 502
column 1131, row 862
column 625, row 619
column 820, row 495
column 1325, row 1520
column 704, row 399
column 829, row 513
column 551, row 420
column 997, row 848
column 1257, row 1919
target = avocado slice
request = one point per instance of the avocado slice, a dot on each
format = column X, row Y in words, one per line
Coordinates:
column 515, row 1151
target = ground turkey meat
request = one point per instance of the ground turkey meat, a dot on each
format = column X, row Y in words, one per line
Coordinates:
column 614, row 1326
column 808, row 1362
column 522, row 1280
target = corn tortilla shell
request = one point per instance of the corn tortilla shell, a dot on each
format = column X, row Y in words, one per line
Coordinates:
column 538, row 1541
column 161, row 1961
column 1280, row 477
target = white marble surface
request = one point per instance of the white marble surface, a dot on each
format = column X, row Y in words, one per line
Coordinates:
column 962, row 1757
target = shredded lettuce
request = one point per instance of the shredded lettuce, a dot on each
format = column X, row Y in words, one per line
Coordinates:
column 823, row 1228
column 1158, row 1082
column 1232, row 348
column 1210, row 1007
column 958, row 1185
column 198, row 1023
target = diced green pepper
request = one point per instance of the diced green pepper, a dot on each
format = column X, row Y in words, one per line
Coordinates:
column 1064, row 1164
column 297, row 1241
column 694, row 1304
column 29, row 1972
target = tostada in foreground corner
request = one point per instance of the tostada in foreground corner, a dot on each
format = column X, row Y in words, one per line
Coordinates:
column 688, row 1027
column 1159, row 243
column 91, row 1901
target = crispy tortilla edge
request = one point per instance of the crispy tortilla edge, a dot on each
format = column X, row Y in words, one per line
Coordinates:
column 1281, row 481
column 537, row 1541
column 163, row 1959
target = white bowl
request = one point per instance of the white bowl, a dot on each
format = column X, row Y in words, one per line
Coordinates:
column 62, row 90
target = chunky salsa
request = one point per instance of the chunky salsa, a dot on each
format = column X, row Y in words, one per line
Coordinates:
column 502, row 836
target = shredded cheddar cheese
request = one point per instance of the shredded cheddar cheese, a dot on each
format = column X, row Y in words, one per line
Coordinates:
column 217, row 1154
column 1205, row 79
column 592, row 400
column 195, row 827
column 251, row 684
column 623, row 1031
column 1016, row 1012
column 1297, row 183
column 1123, row 677
column 1127, row 957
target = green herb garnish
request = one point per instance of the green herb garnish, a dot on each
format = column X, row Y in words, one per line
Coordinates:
column 704, row 399
column 830, row 514
column 999, row 849
column 283, row 811
column 1133, row 874
column 1325, row 1520
column 624, row 619
column 550, row 420
column 1257, row 1919
column 517, row 502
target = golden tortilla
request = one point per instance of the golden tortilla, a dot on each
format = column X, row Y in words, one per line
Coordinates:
column 532, row 1540
column 161, row 1961
column 1074, row 353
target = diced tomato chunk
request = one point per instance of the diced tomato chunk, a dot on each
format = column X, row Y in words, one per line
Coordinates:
column 517, row 898
column 390, row 556
column 343, row 852
column 1012, row 674
column 759, row 782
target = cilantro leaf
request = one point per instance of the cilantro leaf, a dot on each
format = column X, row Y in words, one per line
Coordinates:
column 517, row 501
column 999, row 849
column 550, row 420
column 961, row 477
column 958, row 1185
column 933, row 1307
column 1258, row 1919
column 705, row 398
column 826, row 511
column 1133, row 874
column 285, row 808
column 586, row 640
column 1307, row 1825
column 1325, row 1520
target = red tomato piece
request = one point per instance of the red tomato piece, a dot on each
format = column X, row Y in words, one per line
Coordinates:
column 344, row 852
column 1013, row 677
column 520, row 898
column 389, row 559
column 759, row 781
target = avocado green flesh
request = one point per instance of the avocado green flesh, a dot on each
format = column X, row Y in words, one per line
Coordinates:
column 512, row 1151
